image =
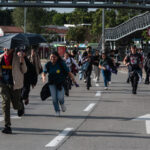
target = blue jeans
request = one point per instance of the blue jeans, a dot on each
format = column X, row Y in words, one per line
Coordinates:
column 106, row 76
column 57, row 96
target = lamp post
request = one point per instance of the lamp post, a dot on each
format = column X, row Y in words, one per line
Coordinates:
column 25, row 19
column 103, row 29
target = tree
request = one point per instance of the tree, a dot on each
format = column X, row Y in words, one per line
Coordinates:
column 5, row 17
column 110, row 18
column 97, row 25
column 77, row 34
column 36, row 17
column 58, row 19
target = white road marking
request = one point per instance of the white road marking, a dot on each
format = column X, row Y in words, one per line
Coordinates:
column 147, row 126
column 98, row 93
column 97, row 84
column 59, row 138
column 146, row 118
column 89, row 107
column 13, row 117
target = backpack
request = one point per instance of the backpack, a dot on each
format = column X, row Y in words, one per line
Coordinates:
column 74, row 69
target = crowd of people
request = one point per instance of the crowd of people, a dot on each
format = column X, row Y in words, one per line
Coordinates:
column 19, row 72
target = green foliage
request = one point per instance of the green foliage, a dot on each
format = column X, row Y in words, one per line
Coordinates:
column 77, row 34
column 18, row 17
column 5, row 17
column 79, row 16
column 58, row 19
column 145, row 35
column 97, row 25
column 36, row 17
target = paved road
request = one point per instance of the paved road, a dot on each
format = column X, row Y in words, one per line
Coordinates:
column 94, row 120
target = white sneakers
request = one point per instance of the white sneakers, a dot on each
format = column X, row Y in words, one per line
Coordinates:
column 63, row 107
column 58, row 114
column 105, row 88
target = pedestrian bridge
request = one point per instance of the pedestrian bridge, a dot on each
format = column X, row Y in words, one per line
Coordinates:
column 137, row 23
column 134, row 24
column 137, row 4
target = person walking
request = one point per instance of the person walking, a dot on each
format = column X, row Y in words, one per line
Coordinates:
column 133, row 62
column 12, row 69
column 96, row 64
column 30, row 79
column 57, row 72
column 35, row 60
column 103, row 65
column 88, row 62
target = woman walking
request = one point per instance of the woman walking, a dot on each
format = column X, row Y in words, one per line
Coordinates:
column 57, row 72
column 103, row 65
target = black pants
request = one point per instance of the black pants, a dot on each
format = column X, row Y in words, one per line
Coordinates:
column 67, row 85
column 88, row 78
column 25, row 91
column 134, row 78
column 147, row 76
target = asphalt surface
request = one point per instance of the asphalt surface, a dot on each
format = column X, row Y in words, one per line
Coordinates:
column 95, row 120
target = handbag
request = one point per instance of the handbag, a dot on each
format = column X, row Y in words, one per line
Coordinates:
column 45, row 92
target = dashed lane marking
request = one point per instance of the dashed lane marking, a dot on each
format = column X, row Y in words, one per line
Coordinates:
column 98, row 93
column 97, row 84
column 59, row 138
column 145, row 118
column 89, row 107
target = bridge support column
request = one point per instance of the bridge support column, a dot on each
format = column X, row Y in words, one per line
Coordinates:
column 114, row 45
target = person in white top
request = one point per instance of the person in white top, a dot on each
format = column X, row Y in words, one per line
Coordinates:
column 71, row 63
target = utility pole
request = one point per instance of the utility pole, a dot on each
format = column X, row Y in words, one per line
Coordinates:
column 25, row 19
column 103, row 30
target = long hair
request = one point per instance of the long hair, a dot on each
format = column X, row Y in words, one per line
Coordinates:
column 56, row 54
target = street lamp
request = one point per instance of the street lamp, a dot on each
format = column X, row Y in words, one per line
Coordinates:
column 103, row 29
column 25, row 19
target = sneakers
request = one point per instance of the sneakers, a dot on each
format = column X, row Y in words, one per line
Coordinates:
column 105, row 88
column 58, row 114
column 26, row 101
column 109, row 82
column 20, row 112
column 63, row 107
column 7, row 130
column 88, row 88
column 133, row 92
